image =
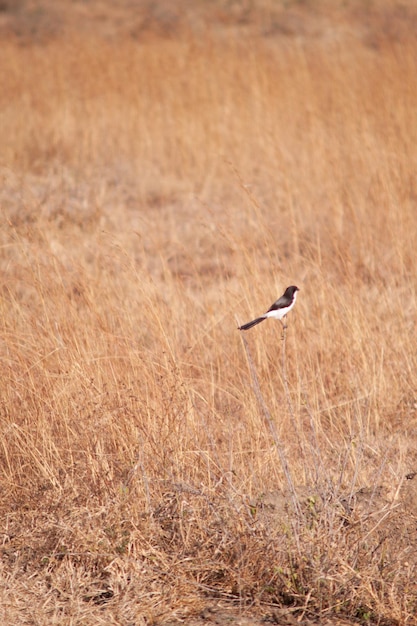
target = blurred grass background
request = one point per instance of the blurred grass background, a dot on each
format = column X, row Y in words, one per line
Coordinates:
column 167, row 170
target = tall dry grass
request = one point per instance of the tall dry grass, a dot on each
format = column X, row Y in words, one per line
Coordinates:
column 153, row 197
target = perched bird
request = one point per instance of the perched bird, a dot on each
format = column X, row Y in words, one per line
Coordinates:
column 278, row 310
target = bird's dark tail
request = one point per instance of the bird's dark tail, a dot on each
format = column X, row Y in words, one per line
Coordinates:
column 252, row 323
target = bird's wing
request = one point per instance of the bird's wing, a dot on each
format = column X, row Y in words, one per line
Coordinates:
column 281, row 303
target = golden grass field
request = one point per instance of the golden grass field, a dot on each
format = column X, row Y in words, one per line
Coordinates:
column 155, row 193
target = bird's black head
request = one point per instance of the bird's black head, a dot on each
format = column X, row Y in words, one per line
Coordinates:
column 290, row 291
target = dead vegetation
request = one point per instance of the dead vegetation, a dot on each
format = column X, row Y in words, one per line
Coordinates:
column 154, row 195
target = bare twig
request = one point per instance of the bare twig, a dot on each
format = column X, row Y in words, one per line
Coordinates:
column 271, row 424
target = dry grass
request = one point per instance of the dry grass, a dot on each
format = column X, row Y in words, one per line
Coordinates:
column 153, row 195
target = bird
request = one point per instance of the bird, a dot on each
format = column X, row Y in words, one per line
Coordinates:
column 278, row 310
